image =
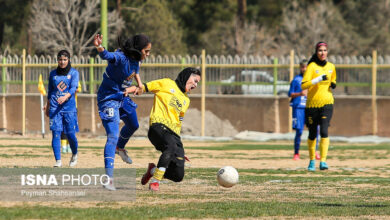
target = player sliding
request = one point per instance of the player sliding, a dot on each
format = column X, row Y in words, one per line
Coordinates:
column 319, row 78
column 113, row 101
column 170, row 104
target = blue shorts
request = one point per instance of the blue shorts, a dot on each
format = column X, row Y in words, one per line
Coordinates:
column 109, row 111
column 65, row 122
column 298, row 118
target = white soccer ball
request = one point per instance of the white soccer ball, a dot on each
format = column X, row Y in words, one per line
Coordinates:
column 227, row 176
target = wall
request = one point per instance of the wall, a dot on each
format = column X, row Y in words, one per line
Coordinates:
column 352, row 115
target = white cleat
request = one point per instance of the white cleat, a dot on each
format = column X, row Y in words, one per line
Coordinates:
column 124, row 156
column 58, row 163
column 110, row 185
column 73, row 160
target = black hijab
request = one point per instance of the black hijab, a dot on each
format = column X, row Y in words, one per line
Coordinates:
column 132, row 46
column 63, row 71
column 315, row 58
column 183, row 77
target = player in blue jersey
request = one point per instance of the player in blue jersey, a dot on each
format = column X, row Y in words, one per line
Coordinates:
column 61, row 106
column 298, row 104
column 113, row 101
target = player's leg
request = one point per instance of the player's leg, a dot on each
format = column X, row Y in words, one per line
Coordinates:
column 165, row 141
column 175, row 170
column 129, row 117
column 326, row 116
column 56, row 128
column 298, row 126
column 70, row 125
column 56, row 145
column 311, row 115
column 109, row 114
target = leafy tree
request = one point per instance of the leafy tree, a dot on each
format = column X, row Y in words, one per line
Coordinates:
column 154, row 19
column 12, row 17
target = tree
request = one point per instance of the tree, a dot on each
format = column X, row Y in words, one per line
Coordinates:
column 69, row 25
column 155, row 20
column 12, row 17
column 306, row 24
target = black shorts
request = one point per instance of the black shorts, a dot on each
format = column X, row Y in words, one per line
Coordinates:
column 165, row 139
column 318, row 116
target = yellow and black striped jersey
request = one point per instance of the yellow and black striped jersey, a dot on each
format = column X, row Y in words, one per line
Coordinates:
column 169, row 105
column 319, row 94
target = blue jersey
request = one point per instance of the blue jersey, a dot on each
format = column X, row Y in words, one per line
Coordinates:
column 59, row 85
column 118, row 76
column 295, row 87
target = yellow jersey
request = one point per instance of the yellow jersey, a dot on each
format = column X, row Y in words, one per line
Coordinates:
column 169, row 105
column 319, row 94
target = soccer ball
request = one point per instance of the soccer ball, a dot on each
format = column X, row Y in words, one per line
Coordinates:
column 227, row 176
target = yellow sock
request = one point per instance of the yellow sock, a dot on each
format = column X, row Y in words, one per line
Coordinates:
column 158, row 174
column 311, row 144
column 64, row 142
column 324, row 145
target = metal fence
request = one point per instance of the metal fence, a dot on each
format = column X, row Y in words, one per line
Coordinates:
column 253, row 75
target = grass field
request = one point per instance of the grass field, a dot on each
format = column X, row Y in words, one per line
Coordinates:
column 272, row 185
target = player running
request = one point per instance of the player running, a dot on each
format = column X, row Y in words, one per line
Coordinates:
column 170, row 104
column 319, row 78
column 113, row 103
column 61, row 106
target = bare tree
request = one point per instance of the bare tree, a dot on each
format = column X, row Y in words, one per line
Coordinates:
column 69, row 24
column 304, row 25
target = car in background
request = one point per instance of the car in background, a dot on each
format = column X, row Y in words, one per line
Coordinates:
column 261, row 82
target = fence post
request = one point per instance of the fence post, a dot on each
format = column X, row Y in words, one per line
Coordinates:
column 373, row 92
column 275, row 75
column 4, row 78
column 290, row 79
column 24, row 92
column 92, row 91
column 203, row 99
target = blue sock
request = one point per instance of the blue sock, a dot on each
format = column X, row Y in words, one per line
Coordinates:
column 56, row 144
column 73, row 142
column 297, row 140
column 112, row 130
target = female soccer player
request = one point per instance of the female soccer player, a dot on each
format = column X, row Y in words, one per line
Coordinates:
column 113, row 103
column 319, row 78
column 170, row 104
column 61, row 106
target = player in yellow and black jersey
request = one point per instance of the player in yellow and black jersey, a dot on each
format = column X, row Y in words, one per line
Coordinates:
column 170, row 104
column 319, row 78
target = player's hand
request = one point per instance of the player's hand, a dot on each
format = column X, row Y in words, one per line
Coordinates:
column 46, row 108
column 129, row 90
column 324, row 77
column 186, row 158
column 304, row 92
column 139, row 90
column 98, row 40
column 63, row 99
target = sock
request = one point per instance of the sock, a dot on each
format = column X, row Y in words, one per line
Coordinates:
column 158, row 174
column 311, row 144
column 56, row 144
column 73, row 142
column 63, row 143
column 297, row 141
column 324, row 145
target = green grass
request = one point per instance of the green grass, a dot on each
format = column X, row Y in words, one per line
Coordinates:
column 272, row 193
column 223, row 209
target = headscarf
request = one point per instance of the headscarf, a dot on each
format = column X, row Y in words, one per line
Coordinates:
column 63, row 71
column 183, row 77
column 315, row 58
column 133, row 46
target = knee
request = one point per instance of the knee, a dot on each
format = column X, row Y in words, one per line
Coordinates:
column 178, row 177
column 112, row 140
column 324, row 133
column 299, row 132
